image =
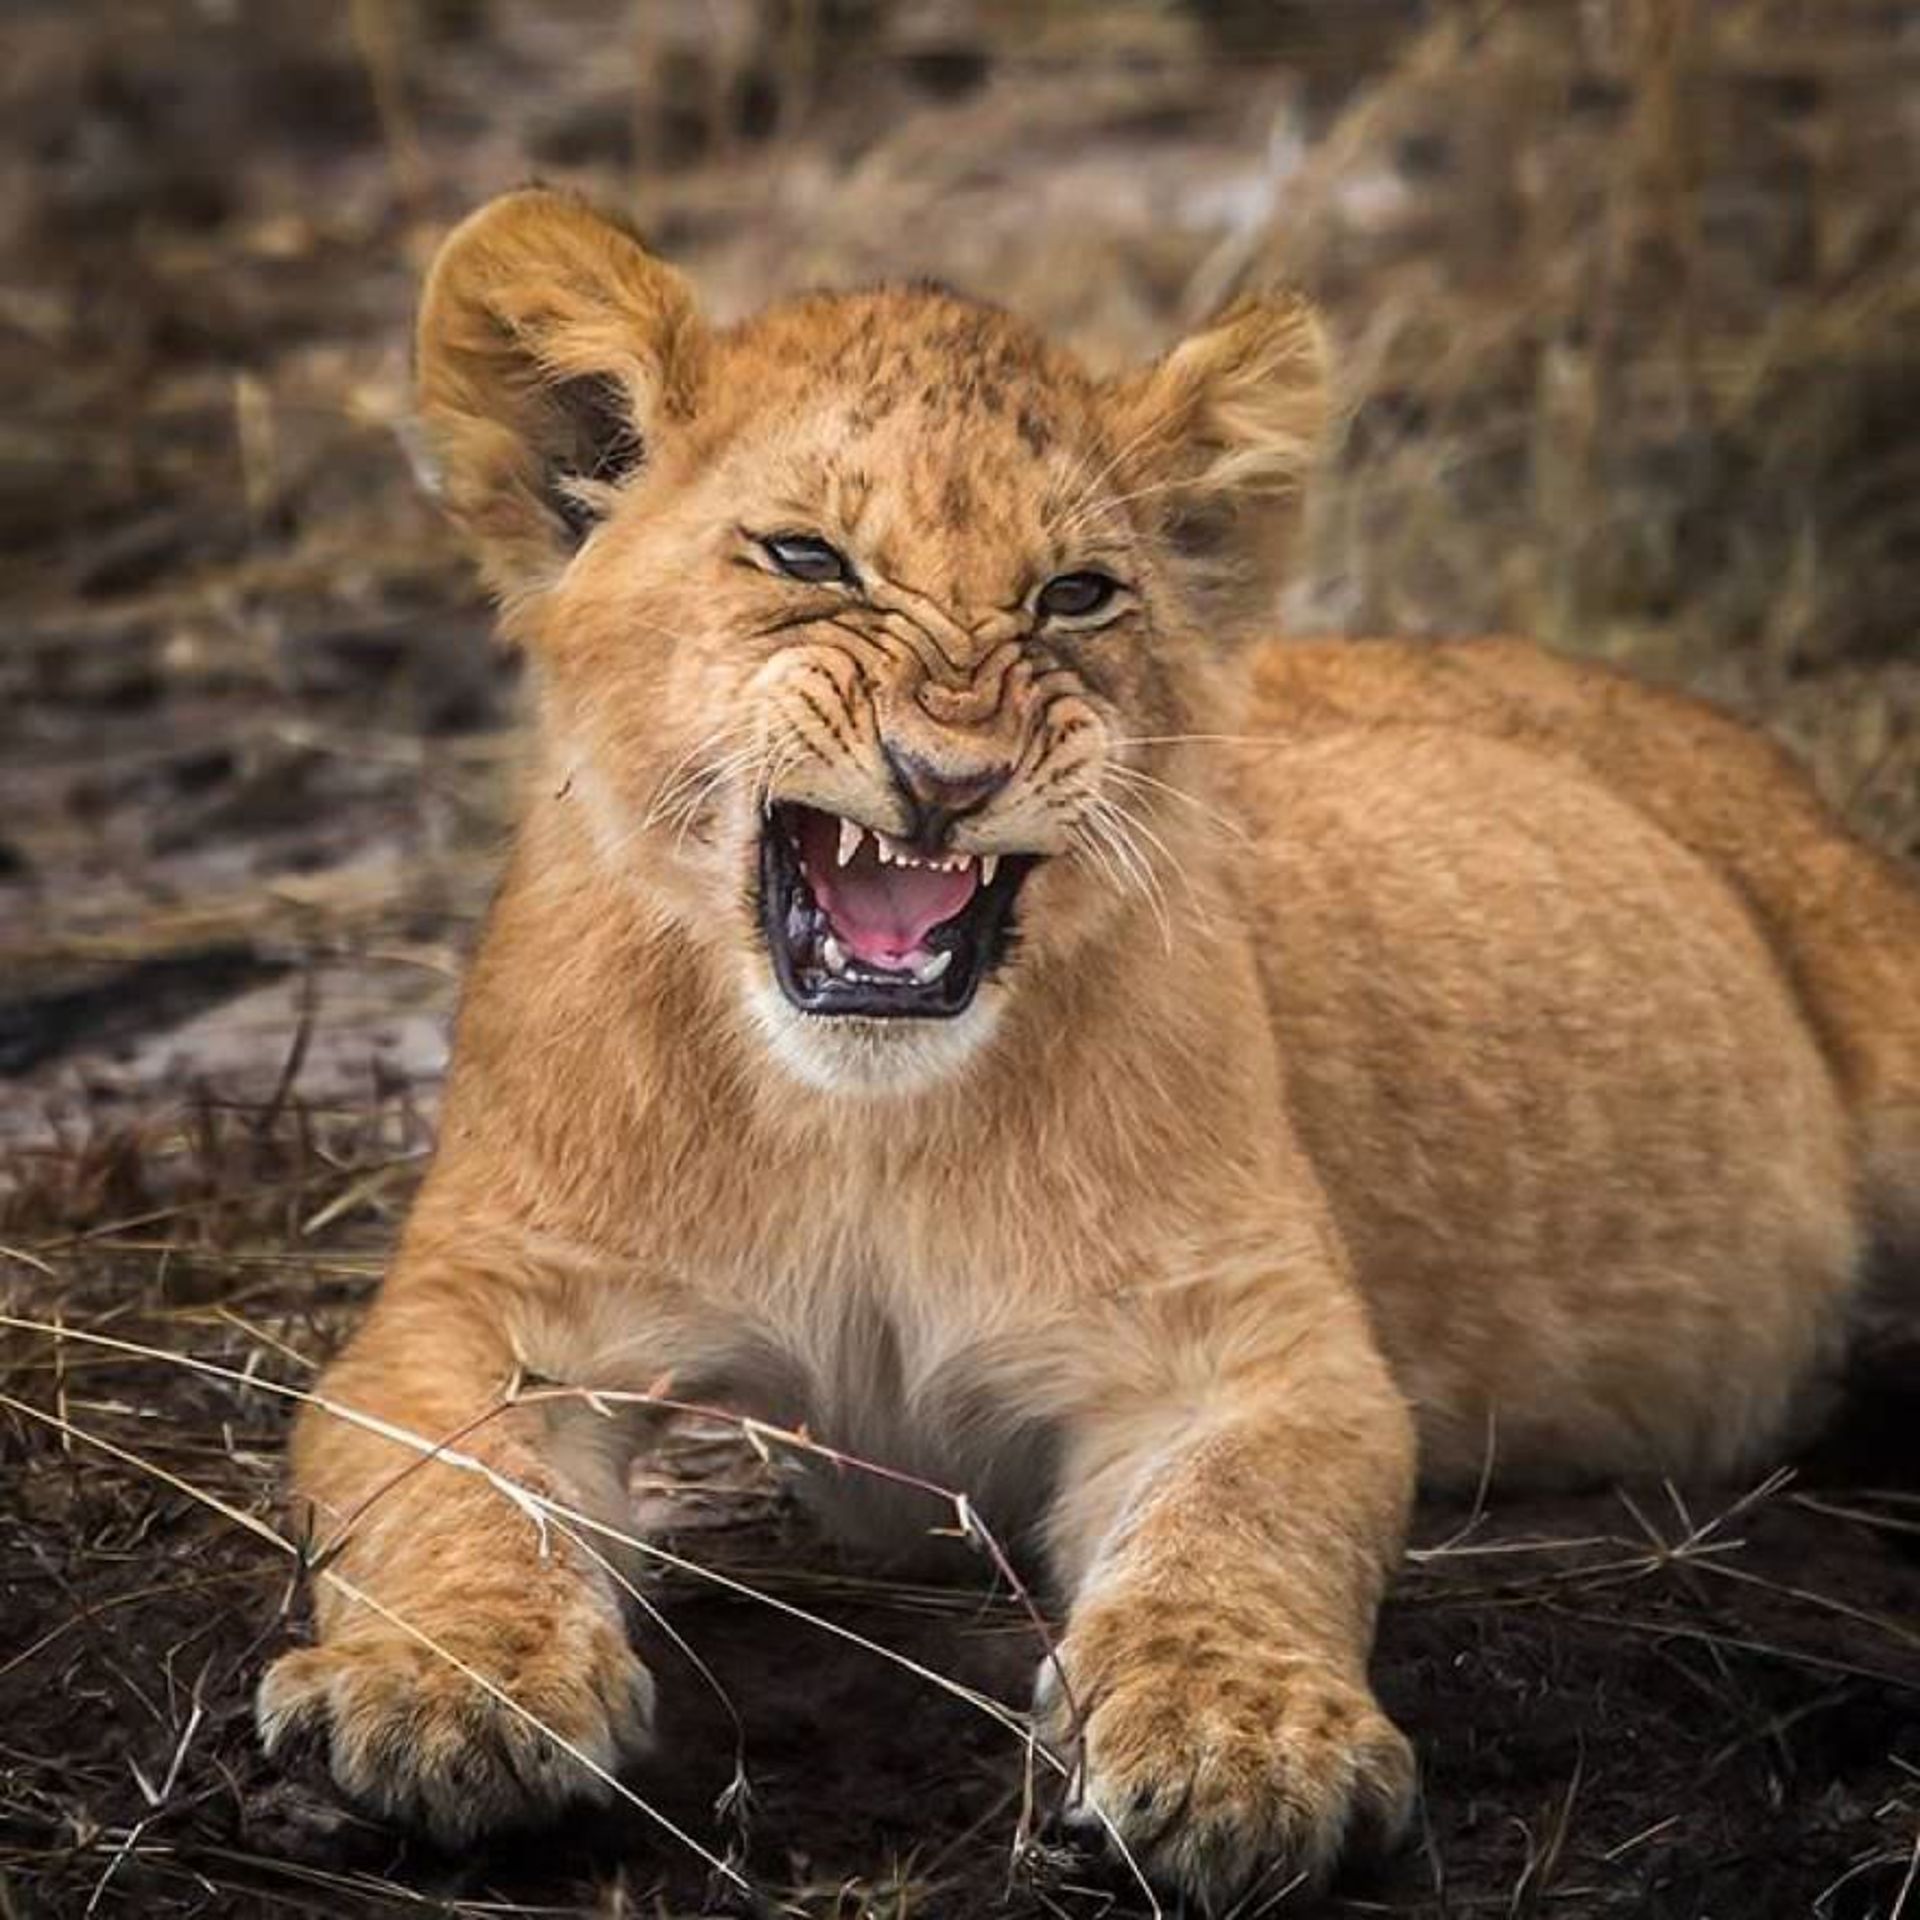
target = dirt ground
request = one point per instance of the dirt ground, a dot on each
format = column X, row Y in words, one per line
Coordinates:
column 1629, row 300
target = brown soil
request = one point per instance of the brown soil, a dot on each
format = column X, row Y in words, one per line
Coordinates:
column 1628, row 299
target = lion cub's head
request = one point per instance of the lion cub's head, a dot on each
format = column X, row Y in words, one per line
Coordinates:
column 865, row 630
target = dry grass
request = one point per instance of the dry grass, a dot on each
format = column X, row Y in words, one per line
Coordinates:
column 1628, row 297
column 168, row 1296
column 1632, row 308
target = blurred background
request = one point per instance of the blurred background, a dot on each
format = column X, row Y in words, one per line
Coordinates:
column 1627, row 295
column 1627, row 300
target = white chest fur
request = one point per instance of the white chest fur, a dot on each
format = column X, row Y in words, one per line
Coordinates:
column 927, row 1418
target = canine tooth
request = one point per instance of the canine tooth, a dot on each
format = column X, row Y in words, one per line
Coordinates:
column 851, row 834
column 928, row 971
column 834, row 954
column 989, row 866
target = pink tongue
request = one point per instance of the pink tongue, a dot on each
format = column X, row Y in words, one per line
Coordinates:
column 880, row 914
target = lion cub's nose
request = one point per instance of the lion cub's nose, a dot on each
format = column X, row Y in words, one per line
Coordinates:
column 939, row 796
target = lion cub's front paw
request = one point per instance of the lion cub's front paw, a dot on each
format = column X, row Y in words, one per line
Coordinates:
column 411, row 1735
column 1217, row 1755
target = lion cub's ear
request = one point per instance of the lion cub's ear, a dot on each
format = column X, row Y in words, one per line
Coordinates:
column 1216, row 439
column 551, row 347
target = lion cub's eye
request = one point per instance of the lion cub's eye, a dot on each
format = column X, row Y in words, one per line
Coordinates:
column 1073, row 596
column 806, row 557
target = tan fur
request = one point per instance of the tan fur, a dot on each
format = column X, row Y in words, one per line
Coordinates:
column 1410, row 1055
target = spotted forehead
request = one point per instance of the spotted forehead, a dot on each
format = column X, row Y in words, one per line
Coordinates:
column 924, row 352
column 918, row 412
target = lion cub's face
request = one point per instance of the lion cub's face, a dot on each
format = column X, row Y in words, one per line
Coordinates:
column 864, row 628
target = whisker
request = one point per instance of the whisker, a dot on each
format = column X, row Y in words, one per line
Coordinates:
column 668, row 790
column 1140, row 827
column 1154, row 893
column 1120, row 770
column 1134, row 830
column 1064, row 487
column 777, row 768
column 1084, row 513
column 707, row 776
column 698, row 792
column 1130, row 445
column 690, row 766
column 1086, row 844
column 695, row 790
column 1203, row 739
column 1117, row 831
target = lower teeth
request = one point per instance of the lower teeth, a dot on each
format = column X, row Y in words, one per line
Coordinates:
column 833, row 956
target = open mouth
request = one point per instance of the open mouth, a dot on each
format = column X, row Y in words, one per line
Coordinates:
column 861, row 924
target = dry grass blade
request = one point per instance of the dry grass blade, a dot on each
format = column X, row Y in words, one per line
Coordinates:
column 260, row 1530
column 543, row 1511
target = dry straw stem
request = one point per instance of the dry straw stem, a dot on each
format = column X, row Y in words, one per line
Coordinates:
column 253, row 1524
column 1454, row 1572
column 542, row 1511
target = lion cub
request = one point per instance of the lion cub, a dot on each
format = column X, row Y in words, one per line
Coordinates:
column 953, row 989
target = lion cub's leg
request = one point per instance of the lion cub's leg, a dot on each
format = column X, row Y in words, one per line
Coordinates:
column 453, row 1615
column 1225, row 1530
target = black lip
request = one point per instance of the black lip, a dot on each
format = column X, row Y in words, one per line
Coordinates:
column 979, row 938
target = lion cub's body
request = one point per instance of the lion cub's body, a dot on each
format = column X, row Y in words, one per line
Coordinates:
column 1583, row 1149
column 1466, row 1058
column 1595, row 1174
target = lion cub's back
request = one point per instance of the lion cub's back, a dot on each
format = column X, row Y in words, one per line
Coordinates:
column 1589, row 1158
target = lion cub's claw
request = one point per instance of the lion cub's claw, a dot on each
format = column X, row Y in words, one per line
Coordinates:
column 410, row 1736
column 1221, row 1763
